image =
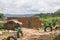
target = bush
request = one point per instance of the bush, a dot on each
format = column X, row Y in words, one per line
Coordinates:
column 1, row 26
column 46, row 21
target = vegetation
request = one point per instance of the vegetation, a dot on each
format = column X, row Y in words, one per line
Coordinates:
column 46, row 15
column 1, row 26
column 51, row 20
column 49, row 17
column 1, row 15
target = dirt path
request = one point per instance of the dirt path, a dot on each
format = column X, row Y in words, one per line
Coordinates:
column 31, row 34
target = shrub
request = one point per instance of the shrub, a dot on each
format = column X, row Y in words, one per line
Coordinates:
column 1, row 26
column 46, row 21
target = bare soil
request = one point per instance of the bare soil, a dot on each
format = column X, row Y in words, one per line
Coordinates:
column 32, row 34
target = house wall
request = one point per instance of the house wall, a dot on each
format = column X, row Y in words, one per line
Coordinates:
column 35, row 22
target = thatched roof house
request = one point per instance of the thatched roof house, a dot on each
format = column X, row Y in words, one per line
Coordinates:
column 10, row 25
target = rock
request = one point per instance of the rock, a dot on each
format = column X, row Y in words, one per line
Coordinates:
column 1, row 33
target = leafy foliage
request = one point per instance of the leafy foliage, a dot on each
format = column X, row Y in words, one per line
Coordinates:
column 49, row 17
column 51, row 20
column 1, row 15
column 1, row 26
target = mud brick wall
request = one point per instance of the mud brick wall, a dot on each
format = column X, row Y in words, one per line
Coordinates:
column 35, row 22
column 24, row 21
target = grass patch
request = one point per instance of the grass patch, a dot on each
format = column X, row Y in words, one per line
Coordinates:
column 1, row 26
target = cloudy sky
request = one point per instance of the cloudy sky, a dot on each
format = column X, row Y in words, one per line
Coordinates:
column 28, row 6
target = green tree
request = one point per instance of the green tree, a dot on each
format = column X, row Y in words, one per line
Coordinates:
column 1, row 15
column 57, row 13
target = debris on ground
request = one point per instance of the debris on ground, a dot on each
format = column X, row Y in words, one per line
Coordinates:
column 31, row 34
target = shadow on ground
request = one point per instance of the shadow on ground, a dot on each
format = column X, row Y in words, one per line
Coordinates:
column 57, row 37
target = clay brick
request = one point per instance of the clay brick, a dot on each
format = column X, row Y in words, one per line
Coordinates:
column 35, row 22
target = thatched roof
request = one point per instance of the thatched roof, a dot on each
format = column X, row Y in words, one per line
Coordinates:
column 11, row 24
column 16, row 21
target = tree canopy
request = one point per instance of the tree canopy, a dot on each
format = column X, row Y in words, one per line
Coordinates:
column 45, row 15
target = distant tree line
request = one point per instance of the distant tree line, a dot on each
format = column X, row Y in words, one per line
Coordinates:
column 45, row 15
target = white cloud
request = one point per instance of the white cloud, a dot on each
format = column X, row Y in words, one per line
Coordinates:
column 29, row 6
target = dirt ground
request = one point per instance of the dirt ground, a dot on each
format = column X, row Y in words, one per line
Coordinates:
column 31, row 34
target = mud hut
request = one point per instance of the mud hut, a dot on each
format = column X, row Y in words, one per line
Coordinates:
column 11, row 24
column 28, row 22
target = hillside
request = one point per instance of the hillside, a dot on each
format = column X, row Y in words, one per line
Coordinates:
column 46, row 15
column 18, row 15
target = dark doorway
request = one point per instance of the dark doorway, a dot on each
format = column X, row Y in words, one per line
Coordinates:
column 29, row 23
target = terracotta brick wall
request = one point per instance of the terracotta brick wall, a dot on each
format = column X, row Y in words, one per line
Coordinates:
column 35, row 22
